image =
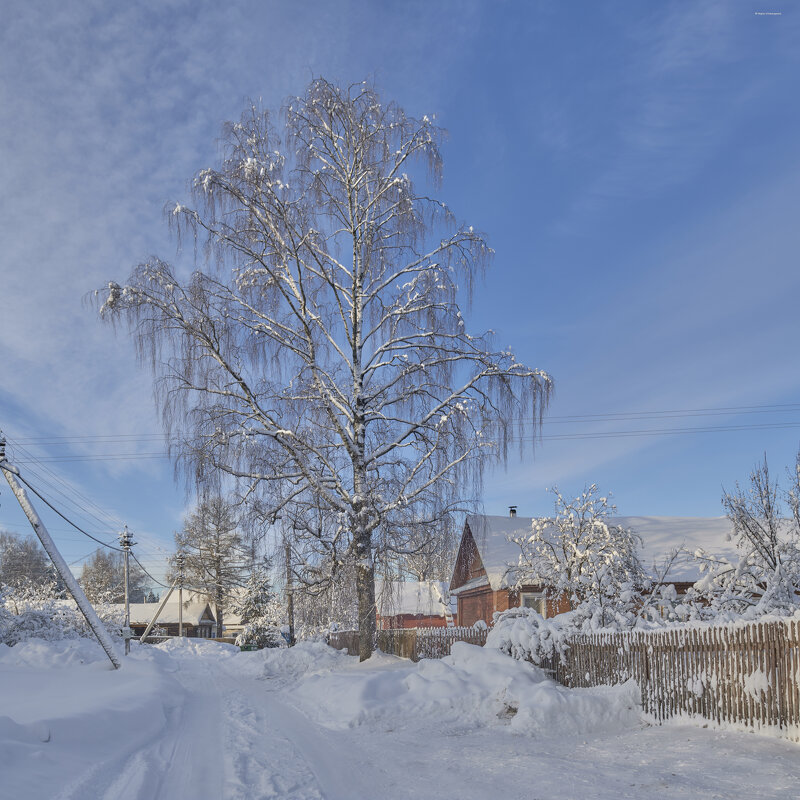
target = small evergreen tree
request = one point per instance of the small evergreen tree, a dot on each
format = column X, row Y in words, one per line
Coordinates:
column 260, row 611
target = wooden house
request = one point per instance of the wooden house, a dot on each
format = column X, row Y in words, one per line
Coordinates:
column 198, row 618
column 485, row 576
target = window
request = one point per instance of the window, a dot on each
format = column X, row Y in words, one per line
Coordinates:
column 535, row 600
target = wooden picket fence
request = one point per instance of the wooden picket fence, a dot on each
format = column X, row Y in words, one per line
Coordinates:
column 413, row 643
column 436, row 642
column 746, row 674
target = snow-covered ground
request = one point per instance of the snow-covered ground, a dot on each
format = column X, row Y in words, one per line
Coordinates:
column 193, row 720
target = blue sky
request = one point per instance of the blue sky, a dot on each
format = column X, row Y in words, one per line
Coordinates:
column 636, row 167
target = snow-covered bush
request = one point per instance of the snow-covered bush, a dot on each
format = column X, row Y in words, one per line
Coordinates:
column 49, row 620
column 526, row 635
column 27, row 615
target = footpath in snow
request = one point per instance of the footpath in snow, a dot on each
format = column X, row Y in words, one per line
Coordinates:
column 190, row 720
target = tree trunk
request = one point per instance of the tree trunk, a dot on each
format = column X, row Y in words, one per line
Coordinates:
column 365, row 588
column 218, row 611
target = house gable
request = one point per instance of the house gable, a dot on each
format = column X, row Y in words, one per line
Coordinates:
column 469, row 566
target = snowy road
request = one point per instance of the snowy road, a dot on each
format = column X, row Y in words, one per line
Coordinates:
column 224, row 726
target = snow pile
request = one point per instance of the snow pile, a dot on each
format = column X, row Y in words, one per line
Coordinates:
column 187, row 647
column 43, row 654
column 473, row 687
column 304, row 658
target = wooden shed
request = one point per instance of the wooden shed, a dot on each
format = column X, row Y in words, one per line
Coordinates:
column 412, row 604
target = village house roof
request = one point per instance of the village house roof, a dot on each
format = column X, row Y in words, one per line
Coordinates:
column 660, row 535
column 410, row 597
column 193, row 612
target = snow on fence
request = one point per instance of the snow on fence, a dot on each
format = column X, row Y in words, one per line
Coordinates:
column 745, row 675
column 413, row 643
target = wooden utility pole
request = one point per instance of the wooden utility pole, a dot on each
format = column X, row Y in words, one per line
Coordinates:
column 126, row 541
column 12, row 475
column 158, row 613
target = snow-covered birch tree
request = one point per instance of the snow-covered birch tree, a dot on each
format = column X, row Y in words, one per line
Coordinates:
column 103, row 578
column 766, row 577
column 320, row 357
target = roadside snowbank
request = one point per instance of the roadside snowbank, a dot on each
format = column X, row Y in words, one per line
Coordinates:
column 63, row 709
column 473, row 687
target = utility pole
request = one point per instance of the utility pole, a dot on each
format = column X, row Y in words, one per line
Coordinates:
column 289, row 592
column 12, row 475
column 126, row 540
column 180, row 560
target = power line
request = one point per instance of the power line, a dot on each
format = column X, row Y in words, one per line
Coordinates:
column 699, row 412
column 624, row 416
column 654, row 432
column 96, row 457
column 543, row 437
column 72, row 489
column 766, row 408
column 65, row 518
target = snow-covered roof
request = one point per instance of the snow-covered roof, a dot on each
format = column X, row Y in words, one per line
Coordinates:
column 142, row 613
column 660, row 535
column 498, row 554
column 410, row 597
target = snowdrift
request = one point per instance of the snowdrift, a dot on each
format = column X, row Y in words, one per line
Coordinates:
column 473, row 687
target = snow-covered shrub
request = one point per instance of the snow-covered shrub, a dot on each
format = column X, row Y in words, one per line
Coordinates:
column 526, row 635
column 51, row 621
column 26, row 616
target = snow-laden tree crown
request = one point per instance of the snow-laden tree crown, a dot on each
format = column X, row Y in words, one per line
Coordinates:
column 320, row 356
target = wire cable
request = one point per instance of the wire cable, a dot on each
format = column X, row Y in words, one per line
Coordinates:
column 163, row 585
column 67, row 519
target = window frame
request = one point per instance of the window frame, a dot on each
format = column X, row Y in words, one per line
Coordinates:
column 538, row 596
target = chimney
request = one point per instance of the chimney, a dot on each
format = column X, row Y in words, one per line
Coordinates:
column 512, row 511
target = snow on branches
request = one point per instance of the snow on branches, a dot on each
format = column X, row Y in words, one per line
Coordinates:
column 321, row 358
column 581, row 554
column 260, row 611
column 766, row 577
